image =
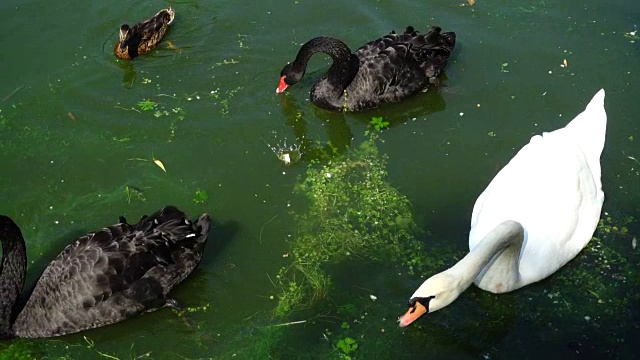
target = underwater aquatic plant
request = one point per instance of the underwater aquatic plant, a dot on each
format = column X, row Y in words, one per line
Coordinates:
column 347, row 345
column 353, row 213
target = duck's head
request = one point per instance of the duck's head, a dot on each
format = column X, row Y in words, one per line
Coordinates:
column 125, row 32
column 435, row 293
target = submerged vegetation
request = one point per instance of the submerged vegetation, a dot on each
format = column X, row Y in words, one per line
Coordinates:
column 353, row 213
column 171, row 106
column 201, row 196
column 28, row 349
column 347, row 345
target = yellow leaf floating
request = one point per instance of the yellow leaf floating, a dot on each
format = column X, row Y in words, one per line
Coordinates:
column 160, row 164
column 471, row 2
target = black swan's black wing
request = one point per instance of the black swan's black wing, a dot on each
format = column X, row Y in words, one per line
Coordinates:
column 119, row 271
column 374, row 48
column 398, row 65
column 13, row 268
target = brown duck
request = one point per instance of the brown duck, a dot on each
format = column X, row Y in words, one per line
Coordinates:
column 142, row 37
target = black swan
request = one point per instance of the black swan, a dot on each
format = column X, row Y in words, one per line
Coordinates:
column 100, row 278
column 384, row 70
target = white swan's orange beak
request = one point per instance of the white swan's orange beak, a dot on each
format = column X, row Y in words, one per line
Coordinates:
column 412, row 314
column 282, row 87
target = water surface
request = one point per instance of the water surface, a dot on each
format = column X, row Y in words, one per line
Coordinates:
column 73, row 138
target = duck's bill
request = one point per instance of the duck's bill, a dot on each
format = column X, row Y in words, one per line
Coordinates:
column 412, row 314
column 282, row 87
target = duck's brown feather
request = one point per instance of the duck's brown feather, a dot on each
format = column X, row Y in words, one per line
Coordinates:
column 143, row 36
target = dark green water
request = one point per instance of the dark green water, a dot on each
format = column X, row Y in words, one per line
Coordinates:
column 72, row 134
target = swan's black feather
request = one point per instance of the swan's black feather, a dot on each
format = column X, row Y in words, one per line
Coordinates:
column 112, row 274
column 385, row 70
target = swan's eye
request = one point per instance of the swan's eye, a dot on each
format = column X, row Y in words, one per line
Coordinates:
column 424, row 301
column 412, row 302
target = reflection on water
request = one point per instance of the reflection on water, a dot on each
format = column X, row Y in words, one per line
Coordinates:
column 129, row 73
column 338, row 132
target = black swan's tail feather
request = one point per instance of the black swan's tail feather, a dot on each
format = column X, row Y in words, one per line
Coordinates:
column 432, row 50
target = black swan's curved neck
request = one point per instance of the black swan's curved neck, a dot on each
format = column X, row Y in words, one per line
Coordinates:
column 345, row 64
column 12, row 271
column 335, row 48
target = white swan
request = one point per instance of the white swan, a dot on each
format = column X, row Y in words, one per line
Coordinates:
column 536, row 215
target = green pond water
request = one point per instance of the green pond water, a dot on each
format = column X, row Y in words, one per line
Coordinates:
column 77, row 151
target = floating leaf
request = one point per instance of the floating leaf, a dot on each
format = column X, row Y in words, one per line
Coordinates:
column 201, row 196
column 147, row 105
column 379, row 123
column 160, row 164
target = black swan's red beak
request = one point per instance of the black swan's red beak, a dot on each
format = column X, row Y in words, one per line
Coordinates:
column 283, row 85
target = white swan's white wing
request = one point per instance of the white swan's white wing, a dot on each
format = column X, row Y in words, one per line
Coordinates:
column 553, row 188
column 588, row 130
column 548, row 188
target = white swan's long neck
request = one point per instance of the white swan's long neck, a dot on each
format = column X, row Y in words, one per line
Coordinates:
column 500, row 250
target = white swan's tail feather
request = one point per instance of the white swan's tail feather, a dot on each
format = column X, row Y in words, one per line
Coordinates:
column 588, row 130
